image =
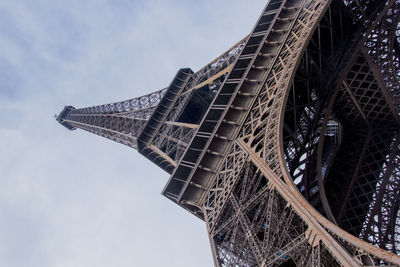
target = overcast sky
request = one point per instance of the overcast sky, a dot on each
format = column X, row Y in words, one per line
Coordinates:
column 73, row 199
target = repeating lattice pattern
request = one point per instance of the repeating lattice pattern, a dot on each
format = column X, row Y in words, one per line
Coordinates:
column 124, row 121
column 382, row 226
column 383, row 44
column 121, row 122
column 237, row 234
column 304, row 124
column 265, row 230
column 223, row 184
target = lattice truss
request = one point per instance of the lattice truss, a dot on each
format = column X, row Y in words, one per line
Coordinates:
column 321, row 140
column 121, row 122
column 173, row 138
column 259, row 227
column 293, row 155
column 124, row 121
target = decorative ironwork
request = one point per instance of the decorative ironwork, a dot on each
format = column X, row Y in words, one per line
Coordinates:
column 287, row 145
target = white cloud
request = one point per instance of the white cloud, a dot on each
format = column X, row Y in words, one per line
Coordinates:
column 74, row 199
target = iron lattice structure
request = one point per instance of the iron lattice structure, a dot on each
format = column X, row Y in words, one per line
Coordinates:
column 287, row 145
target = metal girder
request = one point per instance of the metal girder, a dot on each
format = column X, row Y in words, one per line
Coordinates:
column 125, row 121
column 265, row 147
column 287, row 145
column 121, row 121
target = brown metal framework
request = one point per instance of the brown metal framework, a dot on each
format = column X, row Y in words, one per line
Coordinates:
column 287, row 145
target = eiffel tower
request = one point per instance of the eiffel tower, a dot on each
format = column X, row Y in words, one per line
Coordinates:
column 288, row 144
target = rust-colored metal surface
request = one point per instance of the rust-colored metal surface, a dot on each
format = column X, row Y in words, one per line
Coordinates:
column 287, row 145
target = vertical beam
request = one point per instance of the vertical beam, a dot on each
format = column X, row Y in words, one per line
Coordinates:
column 302, row 208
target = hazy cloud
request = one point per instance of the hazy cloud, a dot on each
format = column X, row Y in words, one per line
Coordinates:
column 72, row 198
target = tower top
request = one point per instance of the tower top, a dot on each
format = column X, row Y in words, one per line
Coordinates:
column 61, row 117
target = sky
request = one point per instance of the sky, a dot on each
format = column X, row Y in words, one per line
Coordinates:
column 73, row 199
